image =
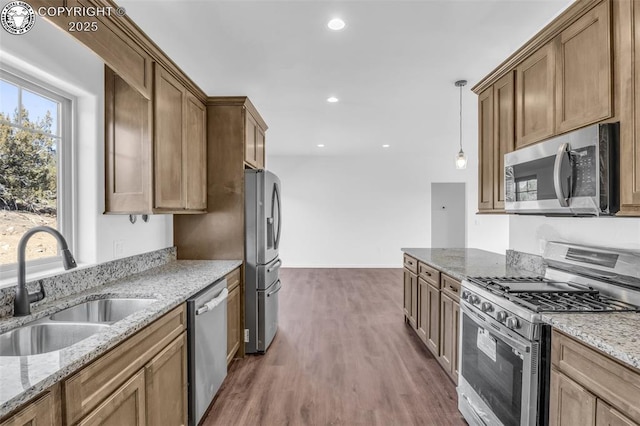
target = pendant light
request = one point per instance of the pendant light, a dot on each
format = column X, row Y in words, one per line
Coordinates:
column 461, row 158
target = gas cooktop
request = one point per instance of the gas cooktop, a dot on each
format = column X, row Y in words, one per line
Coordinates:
column 544, row 295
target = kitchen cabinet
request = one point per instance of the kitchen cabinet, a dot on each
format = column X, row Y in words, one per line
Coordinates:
column 179, row 145
column 254, row 142
column 125, row 406
column 411, row 297
column 234, row 331
column 535, row 96
column 143, row 377
column 449, row 326
column 127, row 147
column 45, row 410
column 589, row 387
column 163, row 174
column 583, row 70
column 431, row 304
column 496, row 112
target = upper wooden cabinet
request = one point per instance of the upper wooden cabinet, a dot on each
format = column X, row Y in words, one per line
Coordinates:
column 165, row 173
column 535, row 97
column 496, row 116
column 254, row 141
column 583, row 70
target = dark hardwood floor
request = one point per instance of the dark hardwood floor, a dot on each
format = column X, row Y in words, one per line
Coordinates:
column 342, row 356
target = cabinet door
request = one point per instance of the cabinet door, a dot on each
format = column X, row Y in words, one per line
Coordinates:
column 608, row 416
column 423, row 309
column 569, row 403
column 413, row 319
column 127, row 147
column 446, row 332
column 485, row 150
column 260, row 157
column 630, row 145
column 125, row 406
column 504, row 133
column 169, row 105
column 233, row 323
column 455, row 341
column 407, row 293
column 535, row 97
column 44, row 411
column 166, row 385
column 250, row 131
column 583, row 70
column 433, row 326
column 195, row 152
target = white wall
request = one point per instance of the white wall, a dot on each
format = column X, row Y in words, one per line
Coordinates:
column 529, row 233
column 54, row 57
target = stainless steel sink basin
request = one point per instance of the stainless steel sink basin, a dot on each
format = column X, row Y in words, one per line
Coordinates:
column 102, row 311
column 46, row 337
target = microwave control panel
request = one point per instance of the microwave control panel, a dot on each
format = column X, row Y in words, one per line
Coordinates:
column 585, row 178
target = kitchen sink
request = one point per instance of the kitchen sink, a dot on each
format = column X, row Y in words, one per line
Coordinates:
column 102, row 310
column 45, row 337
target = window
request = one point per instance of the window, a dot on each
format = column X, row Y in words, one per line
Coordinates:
column 35, row 171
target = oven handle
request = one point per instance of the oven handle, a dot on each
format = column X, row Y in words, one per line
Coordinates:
column 563, row 152
column 522, row 347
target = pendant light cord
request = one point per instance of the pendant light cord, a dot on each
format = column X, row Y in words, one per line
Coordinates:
column 461, row 117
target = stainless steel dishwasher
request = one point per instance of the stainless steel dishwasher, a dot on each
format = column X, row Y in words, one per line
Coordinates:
column 207, row 340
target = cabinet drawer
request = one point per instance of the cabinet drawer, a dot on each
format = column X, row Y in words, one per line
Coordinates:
column 429, row 274
column 44, row 410
column 88, row 388
column 451, row 287
column 615, row 383
column 233, row 279
column 411, row 264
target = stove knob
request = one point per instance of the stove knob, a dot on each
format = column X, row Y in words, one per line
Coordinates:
column 465, row 295
column 502, row 316
column 513, row 323
column 474, row 299
column 486, row 307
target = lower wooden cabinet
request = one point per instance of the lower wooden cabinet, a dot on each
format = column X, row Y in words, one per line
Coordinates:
column 431, row 306
column 43, row 411
column 590, row 388
column 234, row 315
column 411, row 298
column 126, row 406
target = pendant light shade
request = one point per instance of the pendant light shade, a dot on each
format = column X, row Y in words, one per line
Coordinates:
column 461, row 158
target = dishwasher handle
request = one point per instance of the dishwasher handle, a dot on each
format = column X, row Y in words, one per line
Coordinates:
column 211, row 304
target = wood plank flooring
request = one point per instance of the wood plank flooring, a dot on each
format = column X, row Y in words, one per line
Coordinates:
column 342, row 356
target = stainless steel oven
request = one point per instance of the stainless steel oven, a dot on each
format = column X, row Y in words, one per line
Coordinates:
column 574, row 174
column 499, row 372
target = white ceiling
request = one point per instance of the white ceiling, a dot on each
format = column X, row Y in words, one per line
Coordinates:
column 392, row 67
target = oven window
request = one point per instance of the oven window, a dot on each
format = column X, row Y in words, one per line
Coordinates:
column 494, row 370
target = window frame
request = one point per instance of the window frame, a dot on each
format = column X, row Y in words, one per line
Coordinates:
column 66, row 182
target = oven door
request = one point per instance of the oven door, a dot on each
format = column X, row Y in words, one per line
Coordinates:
column 498, row 373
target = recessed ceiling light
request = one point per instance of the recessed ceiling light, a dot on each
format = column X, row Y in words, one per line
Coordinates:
column 385, row 146
column 336, row 24
column 320, row 145
column 332, row 99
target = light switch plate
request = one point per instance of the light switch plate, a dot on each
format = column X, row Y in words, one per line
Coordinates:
column 246, row 335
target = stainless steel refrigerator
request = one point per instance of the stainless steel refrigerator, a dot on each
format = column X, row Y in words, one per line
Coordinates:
column 263, row 224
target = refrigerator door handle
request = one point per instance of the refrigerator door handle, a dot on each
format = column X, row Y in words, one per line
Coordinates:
column 276, row 196
column 278, row 288
column 274, row 266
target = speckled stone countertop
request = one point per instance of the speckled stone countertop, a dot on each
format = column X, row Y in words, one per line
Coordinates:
column 616, row 334
column 460, row 263
column 21, row 378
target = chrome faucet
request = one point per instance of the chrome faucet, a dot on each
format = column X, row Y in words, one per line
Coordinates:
column 23, row 300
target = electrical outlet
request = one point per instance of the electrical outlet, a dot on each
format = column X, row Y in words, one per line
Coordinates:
column 246, row 335
column 118, row 248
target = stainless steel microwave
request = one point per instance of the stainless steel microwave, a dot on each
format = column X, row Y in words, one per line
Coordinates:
column 575, row 174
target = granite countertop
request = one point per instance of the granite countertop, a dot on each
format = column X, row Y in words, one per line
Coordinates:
column 616, row 334
column 461, row 263
column 173, row 283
